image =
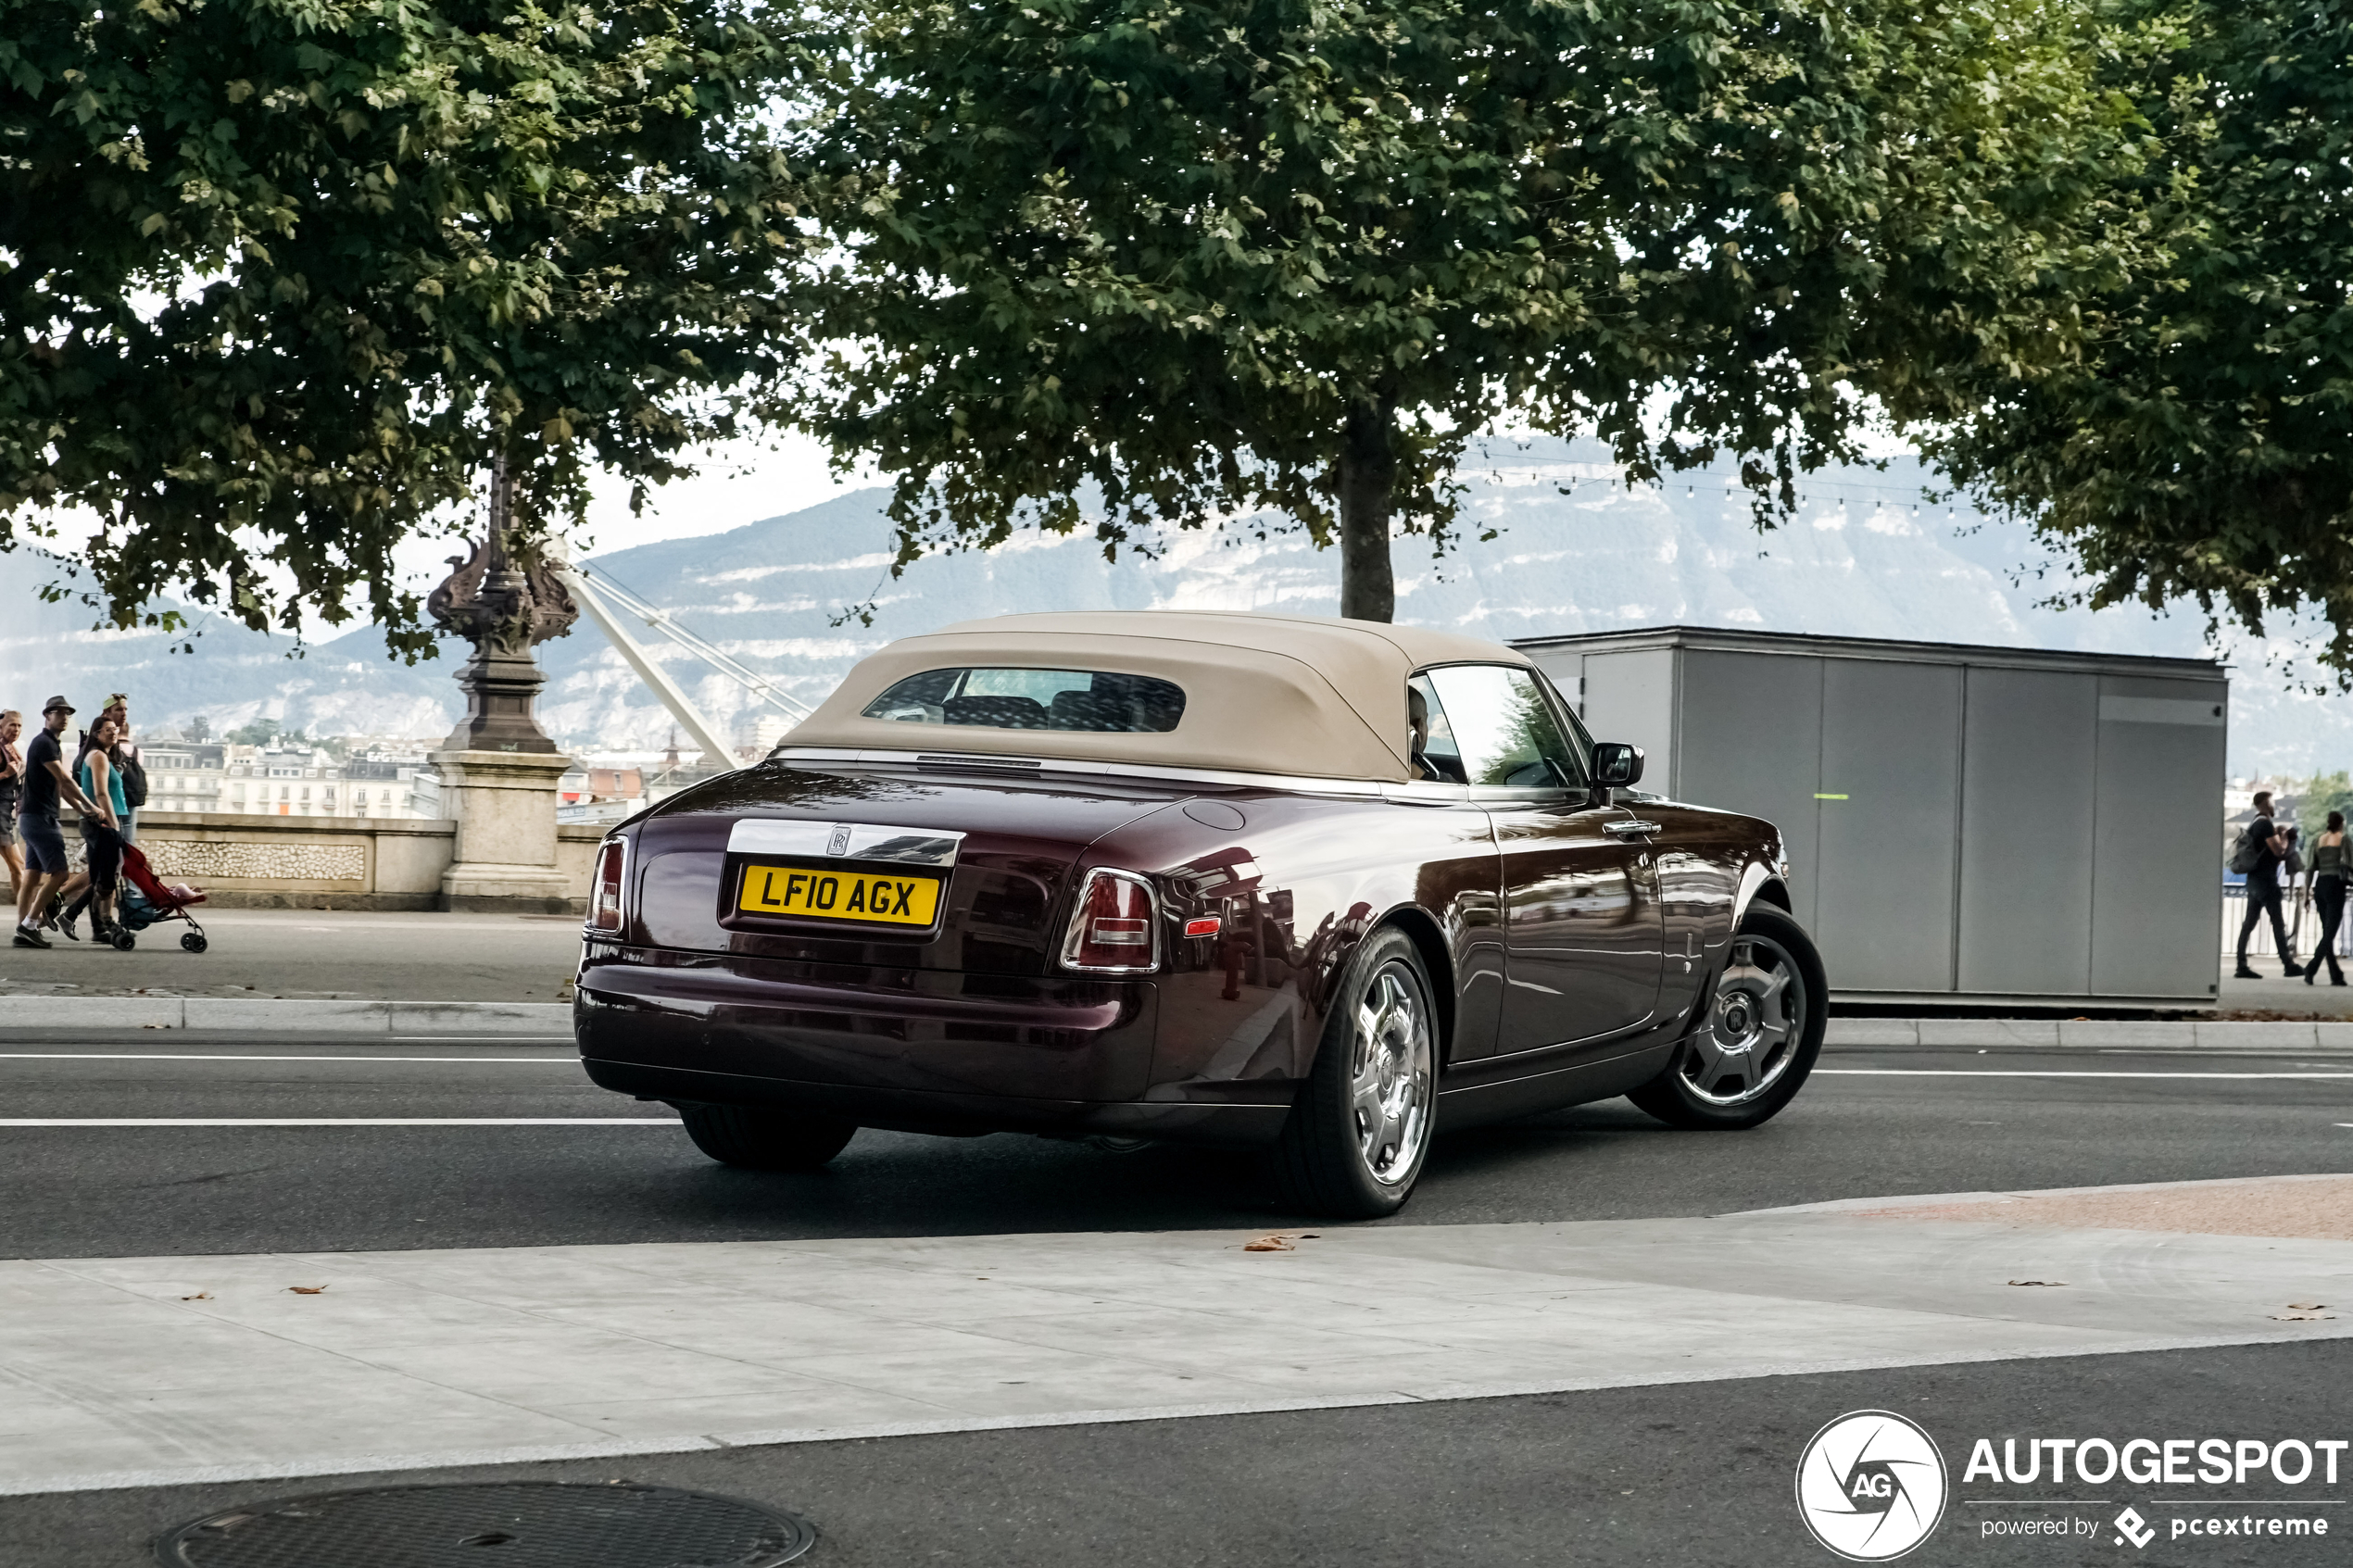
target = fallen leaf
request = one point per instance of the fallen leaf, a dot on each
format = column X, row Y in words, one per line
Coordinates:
column 1268, row 1243
column 307, row 1289
column 2307, row 1306
column 199, row 1296
column 2050, row 1282
column 2303, row 1317
column 1309, row 1235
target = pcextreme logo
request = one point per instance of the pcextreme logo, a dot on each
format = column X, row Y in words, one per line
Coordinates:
column 1871, row 1485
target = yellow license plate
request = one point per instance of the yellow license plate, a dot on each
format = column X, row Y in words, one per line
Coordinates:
column 807, row 894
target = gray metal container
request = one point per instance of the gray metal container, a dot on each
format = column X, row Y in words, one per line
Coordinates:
column 1964, row 825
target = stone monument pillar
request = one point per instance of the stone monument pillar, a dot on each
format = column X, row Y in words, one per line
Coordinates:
column 498, row 769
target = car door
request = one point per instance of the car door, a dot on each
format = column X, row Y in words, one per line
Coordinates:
column 1583, row 936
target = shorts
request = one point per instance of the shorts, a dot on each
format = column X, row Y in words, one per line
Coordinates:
column 129, row 822
column 44, row 844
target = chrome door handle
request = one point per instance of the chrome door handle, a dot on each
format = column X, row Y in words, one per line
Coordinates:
column 1630, row 829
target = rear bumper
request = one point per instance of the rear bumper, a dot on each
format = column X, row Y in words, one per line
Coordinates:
column 923, row 1050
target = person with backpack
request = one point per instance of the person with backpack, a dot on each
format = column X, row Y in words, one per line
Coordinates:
column 2259, row 853
column 2332, row 872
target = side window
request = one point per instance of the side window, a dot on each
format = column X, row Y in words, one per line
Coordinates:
column 1437, row 758
column 1498, row 730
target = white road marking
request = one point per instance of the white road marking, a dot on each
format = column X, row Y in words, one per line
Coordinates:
column 216, row 1056
column 338, row 1121
column 2024, row 1072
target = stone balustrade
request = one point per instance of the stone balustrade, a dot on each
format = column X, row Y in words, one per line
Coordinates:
column 328, row 863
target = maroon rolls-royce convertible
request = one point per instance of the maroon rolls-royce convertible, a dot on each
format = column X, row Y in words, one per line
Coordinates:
column 1318, row 887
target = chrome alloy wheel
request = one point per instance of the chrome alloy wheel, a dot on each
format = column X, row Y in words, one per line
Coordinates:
column 1389, row 1076
column 1754, row 1025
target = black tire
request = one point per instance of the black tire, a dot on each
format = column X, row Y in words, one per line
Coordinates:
column 192, row 941
column 1698, row 1090
column 760, row 1139
column 123, row 941
column 1330, row 1160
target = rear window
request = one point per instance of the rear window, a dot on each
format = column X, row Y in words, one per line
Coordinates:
column 1034, row 700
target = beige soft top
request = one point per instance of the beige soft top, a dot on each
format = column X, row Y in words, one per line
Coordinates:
column 1264, row 694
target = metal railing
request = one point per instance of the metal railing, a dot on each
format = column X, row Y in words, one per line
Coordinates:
column 2296, row 907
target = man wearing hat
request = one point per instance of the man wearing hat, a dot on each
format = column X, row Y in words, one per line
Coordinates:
column 46, row 783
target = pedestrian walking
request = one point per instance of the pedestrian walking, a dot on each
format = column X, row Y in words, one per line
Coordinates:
column 47, row 785
column 130, row 761
column 101, row 836
column 2260, row 852
column 2332, row 873
column 11, row 794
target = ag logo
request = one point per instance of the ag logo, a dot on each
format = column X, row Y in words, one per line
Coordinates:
column 1871, row 1485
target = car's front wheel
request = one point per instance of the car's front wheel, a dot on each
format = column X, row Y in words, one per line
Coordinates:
column 1360, row 1128
column 1752, row 1049
column 760, row 1139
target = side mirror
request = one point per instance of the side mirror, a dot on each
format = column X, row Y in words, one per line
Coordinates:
column 1616, row 765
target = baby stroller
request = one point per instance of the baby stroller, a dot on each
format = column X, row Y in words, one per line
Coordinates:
column 142, row 900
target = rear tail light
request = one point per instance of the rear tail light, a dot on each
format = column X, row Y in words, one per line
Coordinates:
column 1115, row 929
column 604, row 899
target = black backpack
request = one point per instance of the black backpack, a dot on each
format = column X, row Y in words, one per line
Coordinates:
column 2247, row 853
column 134, row 777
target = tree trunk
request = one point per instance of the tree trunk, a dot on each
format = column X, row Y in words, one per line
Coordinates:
column 1368, row 487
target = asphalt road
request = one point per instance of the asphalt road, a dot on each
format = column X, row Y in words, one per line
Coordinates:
column 1696, row 1474
column 1871, row 1123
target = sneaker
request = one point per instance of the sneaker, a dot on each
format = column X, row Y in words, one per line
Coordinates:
column 2243, row 972
column 65, row 923
column 27, row 936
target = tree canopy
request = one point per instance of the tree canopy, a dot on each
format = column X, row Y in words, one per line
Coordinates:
column 281, row 278
column 2202, row 447
column 1176, row 261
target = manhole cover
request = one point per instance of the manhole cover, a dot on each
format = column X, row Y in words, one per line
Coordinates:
column 508, row 1524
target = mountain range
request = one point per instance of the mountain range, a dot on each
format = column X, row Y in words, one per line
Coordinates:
column 1572, row 549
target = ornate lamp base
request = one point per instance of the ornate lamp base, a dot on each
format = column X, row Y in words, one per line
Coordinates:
column 504, row 858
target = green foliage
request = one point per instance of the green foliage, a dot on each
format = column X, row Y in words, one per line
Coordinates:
column 1174, row 261
column 200, row 729
column 2322, row 794
column 2202, row 447
column 279, row 279
column 260, row 731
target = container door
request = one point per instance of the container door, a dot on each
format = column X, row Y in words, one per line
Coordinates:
column 1582, row 932
column 1889, row 824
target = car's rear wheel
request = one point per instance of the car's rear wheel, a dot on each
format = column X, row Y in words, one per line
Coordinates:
column 1757, row 1041
column 1359, row 1131
column 760, row 1139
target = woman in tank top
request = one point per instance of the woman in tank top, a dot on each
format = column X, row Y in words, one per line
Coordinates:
column 2332, row 862
column 102, row 781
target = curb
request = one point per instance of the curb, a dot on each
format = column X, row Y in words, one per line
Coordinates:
column 284, row 1017
column 2044, row 1033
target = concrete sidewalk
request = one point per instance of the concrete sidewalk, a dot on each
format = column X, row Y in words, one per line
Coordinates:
column 314, row 955
column 2324, row 1036
column 146, row 1372
column 22, row 1013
